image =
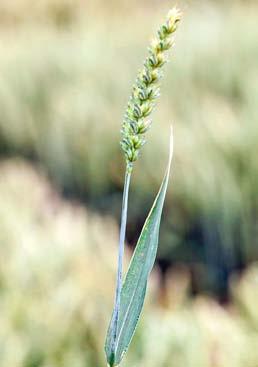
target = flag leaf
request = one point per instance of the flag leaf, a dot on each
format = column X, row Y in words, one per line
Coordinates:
column 135, row 283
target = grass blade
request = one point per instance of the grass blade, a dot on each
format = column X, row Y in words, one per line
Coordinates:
column 135, row 284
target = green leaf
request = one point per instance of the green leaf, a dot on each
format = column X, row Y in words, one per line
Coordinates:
column 135, row 283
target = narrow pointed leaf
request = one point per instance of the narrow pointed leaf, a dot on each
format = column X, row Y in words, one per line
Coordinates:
column 135, row 283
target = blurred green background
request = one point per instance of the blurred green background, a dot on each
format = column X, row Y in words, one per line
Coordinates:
column 67, row 68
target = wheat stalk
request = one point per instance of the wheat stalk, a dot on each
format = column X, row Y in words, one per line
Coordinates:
column 145, row 92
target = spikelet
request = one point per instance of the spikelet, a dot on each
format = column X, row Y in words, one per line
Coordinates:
column 147, row 89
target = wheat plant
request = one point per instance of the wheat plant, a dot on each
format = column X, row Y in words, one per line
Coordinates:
column 130, row 294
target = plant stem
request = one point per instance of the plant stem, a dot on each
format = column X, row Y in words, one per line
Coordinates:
column 121, row 252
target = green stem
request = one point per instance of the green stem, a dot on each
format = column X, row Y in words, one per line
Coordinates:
column 121, row 254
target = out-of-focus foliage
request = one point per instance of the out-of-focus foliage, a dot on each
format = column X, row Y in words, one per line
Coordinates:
column 67, row 68
column 56, row 275
column 62, row 97
column 56, row 279
column 69, row 12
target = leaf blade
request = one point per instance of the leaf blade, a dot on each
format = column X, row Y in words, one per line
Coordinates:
column 135, row 283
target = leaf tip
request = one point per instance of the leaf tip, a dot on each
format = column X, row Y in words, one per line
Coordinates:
column 171, row 146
